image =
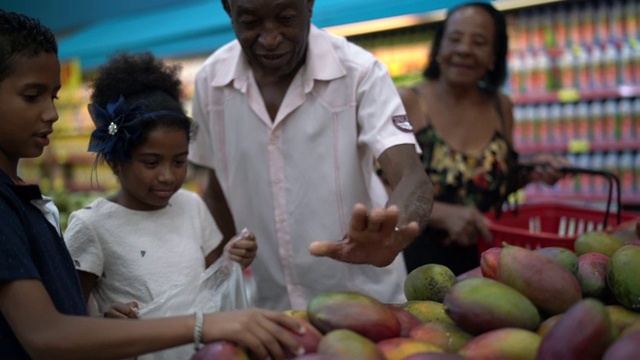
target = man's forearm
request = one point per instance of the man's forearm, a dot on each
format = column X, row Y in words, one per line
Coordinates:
column 414, row 198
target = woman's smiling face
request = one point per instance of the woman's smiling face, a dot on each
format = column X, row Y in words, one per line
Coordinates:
column 467, row 49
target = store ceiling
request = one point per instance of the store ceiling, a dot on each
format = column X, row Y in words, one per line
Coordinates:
column 91, row 30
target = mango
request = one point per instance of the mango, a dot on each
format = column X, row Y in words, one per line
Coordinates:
column 592, row 275
column 400, row 348
column 297, row 313
column 632, row 328
column 505, row 343
column 621, row 317
column 407, row 320
column 550, row 286
column 434, row 356
column 547, row 324
column 427, row 311
column 316, row 356
column 584, row 332
column 596, row 241
column 489, row 260
column 624, row 348
column 562, row 256
column 309, row 340
column 479, row 305
column 428, row 282
column 347, row 344
column 449, row 337
column 623, row 276
column 221, row 349
column 475, row 272
column 354, row 311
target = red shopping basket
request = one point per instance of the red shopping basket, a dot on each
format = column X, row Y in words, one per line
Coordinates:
column 551, row 224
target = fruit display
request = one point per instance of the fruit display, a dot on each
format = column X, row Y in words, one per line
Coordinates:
column 520, row 304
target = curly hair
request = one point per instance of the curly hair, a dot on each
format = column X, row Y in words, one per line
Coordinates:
column 225, row 5
column 22, row 36
column 149, row 86
column 494, row 78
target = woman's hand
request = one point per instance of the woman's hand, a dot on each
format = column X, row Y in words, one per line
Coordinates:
column 119, row 310
column 463, row 224
column 242, row 248
column 549, row 170
column 263, row 332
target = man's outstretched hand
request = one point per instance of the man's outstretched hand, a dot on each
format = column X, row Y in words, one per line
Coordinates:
column 374, row 238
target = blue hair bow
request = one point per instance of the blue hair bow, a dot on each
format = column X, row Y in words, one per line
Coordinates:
column 116, row 127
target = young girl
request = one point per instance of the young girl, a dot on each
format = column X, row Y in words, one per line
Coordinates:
column 42, row 310
column 152, row 236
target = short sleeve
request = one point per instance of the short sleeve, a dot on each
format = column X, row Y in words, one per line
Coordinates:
column 381, row 115
column 15, row 254
column 84, row 245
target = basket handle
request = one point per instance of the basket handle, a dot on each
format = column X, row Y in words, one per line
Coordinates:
column 611, row 178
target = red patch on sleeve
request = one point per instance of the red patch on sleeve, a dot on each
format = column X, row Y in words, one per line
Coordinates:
column 401, row 122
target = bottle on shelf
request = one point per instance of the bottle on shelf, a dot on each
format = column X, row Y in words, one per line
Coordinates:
column 625, row 173
column 611, row 122
column 625, row 67
column 596, row 122
column 567, row 71
column 610, row 62
column 568, row 122
column 636, row 174
column 602, row 26
column 627, row 128
column 582, row 121
column 595, row 184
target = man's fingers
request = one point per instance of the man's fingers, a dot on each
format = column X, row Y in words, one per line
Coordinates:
column 359, row 218
column 325, row 248
column 376, row 220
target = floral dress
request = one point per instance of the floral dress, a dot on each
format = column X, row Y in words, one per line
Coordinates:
column 458, row 178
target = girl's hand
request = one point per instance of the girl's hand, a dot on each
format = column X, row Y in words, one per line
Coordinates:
column 119, row 310
column 242, row 248
column 263, row 332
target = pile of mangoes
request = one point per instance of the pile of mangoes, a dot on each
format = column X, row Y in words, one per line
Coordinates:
column 543, row 304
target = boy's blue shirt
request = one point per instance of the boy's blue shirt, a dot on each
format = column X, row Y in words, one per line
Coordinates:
column 32, row 248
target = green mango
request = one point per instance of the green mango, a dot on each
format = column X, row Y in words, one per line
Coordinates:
column 623, row 276
column 347, row 344
column 478, row 305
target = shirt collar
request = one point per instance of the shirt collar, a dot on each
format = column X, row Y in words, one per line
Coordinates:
column 26, row 192
column 322, row 63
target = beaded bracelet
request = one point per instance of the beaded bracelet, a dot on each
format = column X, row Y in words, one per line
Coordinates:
column 197, row 330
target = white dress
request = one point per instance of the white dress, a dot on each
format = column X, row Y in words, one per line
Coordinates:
column 140, row 255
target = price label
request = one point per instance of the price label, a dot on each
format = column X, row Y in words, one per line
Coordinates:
column 579, row 146
column 568, row 95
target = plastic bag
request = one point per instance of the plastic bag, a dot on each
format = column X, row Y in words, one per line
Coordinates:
column 220, row 287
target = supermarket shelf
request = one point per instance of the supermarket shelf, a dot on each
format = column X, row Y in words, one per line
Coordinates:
column 617, row 145
column 573, row 95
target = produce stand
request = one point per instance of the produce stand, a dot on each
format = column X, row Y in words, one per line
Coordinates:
column 539, row 225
